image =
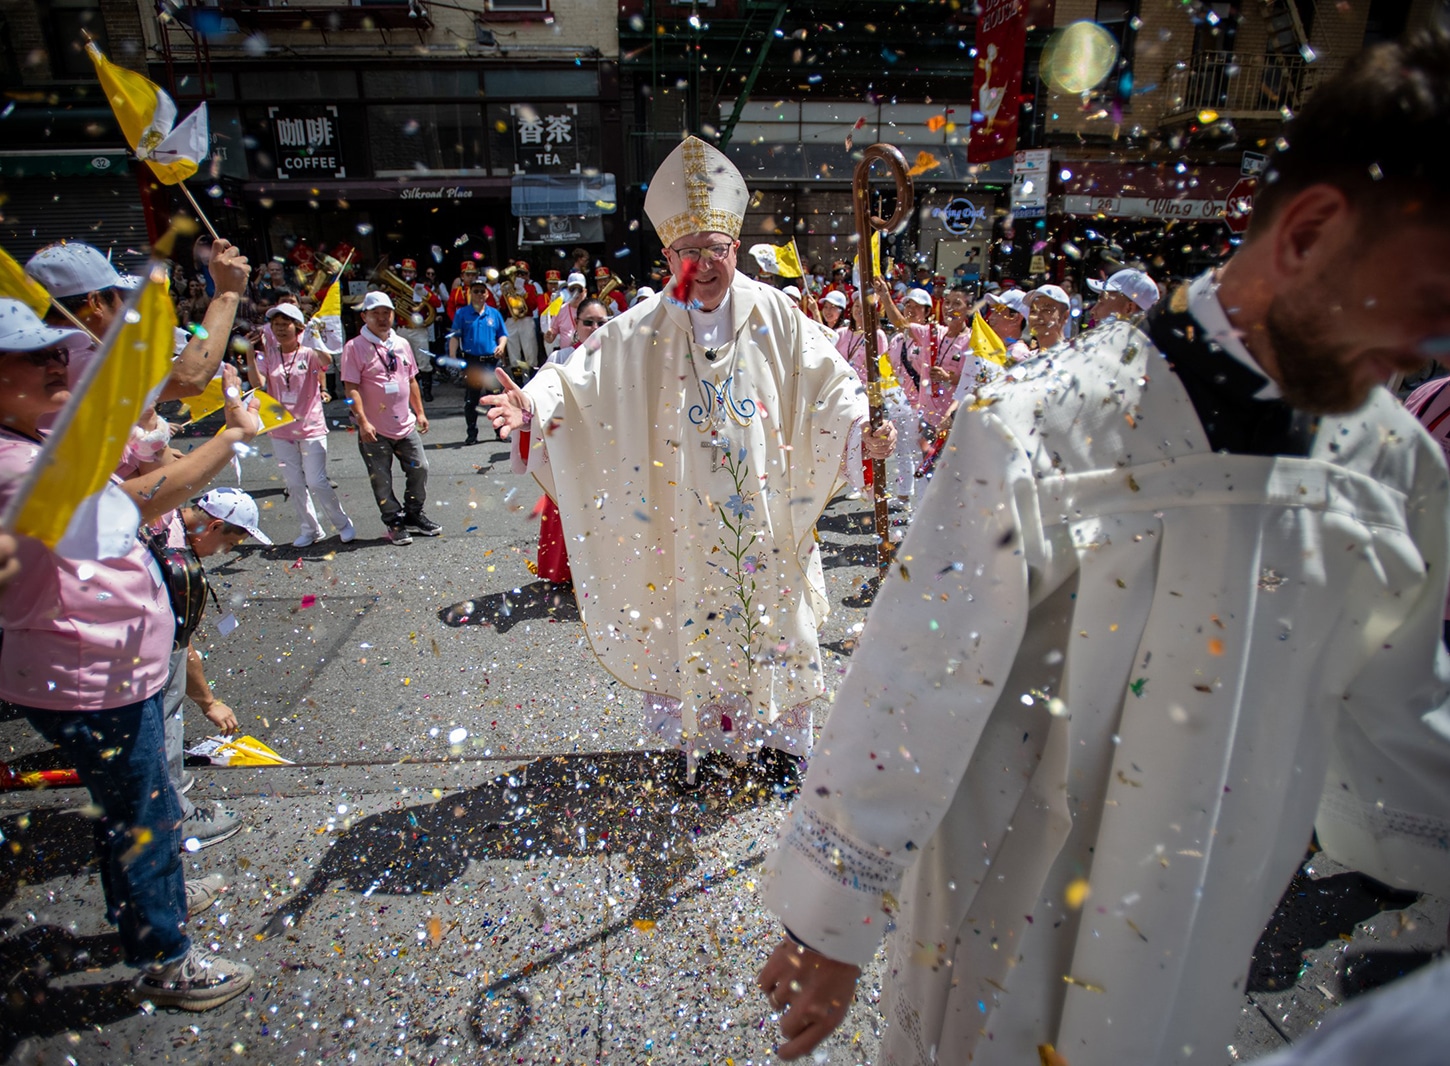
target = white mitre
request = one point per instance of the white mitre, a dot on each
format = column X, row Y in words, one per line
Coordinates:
column 696, row 190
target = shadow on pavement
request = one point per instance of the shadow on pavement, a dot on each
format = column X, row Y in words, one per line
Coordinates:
column 42, row 844
column 620, row 804
column 32, row 1006
column 504, row 610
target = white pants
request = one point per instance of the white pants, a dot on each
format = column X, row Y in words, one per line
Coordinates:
column 523, row 341
column 304, row 468
column 901, row 467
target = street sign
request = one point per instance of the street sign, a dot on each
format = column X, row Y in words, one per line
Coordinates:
column 1238, row 206
column 1253, row 164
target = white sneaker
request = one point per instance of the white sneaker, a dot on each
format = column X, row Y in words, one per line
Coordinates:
column 199, row 981
column 203, row 892
column 209, row 825
column 347, row 533
column 307, row 539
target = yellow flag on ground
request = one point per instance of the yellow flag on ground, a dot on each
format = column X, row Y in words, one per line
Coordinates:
column 16, row 284
column 147, row 117
column 986, row 345
column 90, row 434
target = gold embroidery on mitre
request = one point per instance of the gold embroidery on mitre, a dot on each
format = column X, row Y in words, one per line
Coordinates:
column 699, row 215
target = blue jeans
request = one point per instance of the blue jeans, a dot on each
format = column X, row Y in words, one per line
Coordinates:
column 120, row 755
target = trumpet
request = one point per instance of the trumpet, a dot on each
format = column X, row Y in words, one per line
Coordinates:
column 518, row 306
column 412, row 313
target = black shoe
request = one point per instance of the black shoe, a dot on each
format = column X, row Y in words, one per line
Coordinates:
column 781, row 770
column 472, row 438
column 422, row 525
column 428, row 396
column 399, row 534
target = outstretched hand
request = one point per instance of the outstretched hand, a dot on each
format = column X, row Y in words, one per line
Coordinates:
column 508, row 410
column 812, row 993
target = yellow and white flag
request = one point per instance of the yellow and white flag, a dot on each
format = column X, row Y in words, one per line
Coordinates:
column 147, row 117
column 16, row 284
column 875, row 260
column 986, row 345
column 782, row 260
column 325, row 327
column 67, row 501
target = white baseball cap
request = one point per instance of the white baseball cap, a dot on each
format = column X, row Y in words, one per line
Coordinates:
column 792, row 291
column 74, row 269
column 1134, row 284
column 577, row 281
column 234, row 506
column 1052, row 292
column 294, row 312
column 22, row 331
column 835, row 296
column 919, row 296
column 644, row 292
column 372, row 300
column 1012, row 299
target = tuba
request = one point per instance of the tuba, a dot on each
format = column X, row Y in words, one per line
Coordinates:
column 608, row 286
column 515, row 301
column 412, row 314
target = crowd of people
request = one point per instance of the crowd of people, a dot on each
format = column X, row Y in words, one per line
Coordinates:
column 1173, row 545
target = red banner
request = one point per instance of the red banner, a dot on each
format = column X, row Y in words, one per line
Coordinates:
column 997, row 81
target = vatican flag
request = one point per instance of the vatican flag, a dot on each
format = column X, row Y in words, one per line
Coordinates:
column 16, row 284
column 147, row 117
column 325, row 327
column 67, row 501
column 986, row 345
column 783, row 260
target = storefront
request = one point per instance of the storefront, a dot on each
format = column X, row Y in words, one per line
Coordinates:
column 82, row 194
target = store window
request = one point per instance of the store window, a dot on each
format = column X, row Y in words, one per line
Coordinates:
column 525, row 84
column 419, row 84
column 324, row 86
column 66, row 24
column 407, row 139
column 521, row 7
column 1120, row 18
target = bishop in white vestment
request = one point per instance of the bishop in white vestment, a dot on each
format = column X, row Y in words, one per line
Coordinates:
column 691, row 444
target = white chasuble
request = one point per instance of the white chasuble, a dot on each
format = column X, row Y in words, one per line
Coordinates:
column 1080, row 752
column 689, row 481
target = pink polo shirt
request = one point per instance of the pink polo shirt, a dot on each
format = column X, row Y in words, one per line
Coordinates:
column 384, row 392
column 79, row 636
column 295, row 381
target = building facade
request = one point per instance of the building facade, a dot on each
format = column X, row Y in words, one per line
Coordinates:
column 385, row 129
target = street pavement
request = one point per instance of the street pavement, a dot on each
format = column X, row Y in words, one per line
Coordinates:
column 478, row 856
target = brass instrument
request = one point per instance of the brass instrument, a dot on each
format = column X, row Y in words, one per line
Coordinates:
column 324, row 269
column 515, row 301
column 412, row 314
column 610, row 284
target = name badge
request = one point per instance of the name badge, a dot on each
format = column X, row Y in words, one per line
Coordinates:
column 391, row 388
column 289, row 397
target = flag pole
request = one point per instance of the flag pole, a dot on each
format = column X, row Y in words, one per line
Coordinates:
column 867, row 225
column 200, row 215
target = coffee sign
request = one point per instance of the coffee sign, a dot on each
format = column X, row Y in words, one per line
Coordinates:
column 307, row 141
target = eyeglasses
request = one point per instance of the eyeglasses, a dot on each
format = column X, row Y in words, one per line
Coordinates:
column 710, row 251
column 593, row 321
column 46, row 356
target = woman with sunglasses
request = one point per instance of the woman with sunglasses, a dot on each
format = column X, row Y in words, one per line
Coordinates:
column 85, row 659
column 553, row 564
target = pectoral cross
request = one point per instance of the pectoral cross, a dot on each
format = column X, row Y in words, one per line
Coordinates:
column 718, row 446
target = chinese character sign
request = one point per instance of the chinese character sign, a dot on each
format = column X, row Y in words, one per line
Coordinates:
column 307, row 140
column 997, row 81
column 545, row 138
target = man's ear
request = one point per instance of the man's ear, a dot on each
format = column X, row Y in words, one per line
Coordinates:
column 1308, row 227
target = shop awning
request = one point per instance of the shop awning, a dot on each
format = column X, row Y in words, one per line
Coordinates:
column 410, row 188
column 818, row 164
column 546, row 196
column 1147, row 191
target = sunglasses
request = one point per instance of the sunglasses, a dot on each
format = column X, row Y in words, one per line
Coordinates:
column 46, row 357
column 592, row 321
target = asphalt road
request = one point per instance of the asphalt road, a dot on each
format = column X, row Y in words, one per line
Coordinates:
column 477, row 857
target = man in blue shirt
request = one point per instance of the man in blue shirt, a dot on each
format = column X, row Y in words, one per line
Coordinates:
column 478, row 337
